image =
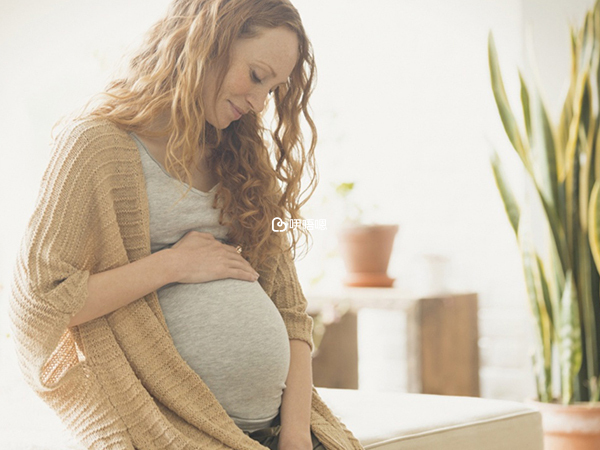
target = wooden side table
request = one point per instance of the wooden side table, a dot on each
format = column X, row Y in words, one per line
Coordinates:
column 441, row 339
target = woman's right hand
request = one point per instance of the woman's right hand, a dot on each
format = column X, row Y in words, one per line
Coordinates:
column 200, row 257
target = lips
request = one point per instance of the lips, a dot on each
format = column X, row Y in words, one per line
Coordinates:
column 236, row 111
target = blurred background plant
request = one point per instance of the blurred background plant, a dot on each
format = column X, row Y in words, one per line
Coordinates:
column 342, row 205
column 353, row 213
column 562, row 166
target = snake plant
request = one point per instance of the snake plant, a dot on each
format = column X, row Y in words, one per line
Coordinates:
column 562, row 161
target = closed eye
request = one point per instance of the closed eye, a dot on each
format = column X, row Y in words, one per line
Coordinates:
column 254, row 77
column 257, row 80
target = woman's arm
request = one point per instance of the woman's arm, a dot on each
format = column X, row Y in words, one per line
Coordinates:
column 297, row 399
column 196, row 258
column 115, row 288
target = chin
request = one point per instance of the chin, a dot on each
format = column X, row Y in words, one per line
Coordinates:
column 221, row 125
column 224, row 122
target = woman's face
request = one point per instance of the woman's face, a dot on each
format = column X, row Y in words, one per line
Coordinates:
column 257, row 66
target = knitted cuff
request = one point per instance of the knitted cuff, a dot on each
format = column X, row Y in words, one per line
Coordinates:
column 300, row 327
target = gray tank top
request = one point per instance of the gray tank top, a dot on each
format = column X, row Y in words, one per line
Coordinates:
column 228, row 331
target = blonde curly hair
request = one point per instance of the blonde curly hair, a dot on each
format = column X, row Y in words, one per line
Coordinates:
column 259, row 170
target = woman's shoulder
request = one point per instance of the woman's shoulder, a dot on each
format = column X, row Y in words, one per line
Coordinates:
column 93, row 153
column 92, row 138
column 91, row 129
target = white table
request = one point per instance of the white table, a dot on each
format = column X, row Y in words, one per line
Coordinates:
column 439, row 339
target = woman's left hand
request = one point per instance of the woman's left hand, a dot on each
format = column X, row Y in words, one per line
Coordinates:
column 294, row 440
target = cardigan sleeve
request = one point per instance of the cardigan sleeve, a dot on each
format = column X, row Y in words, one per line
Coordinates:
column 289, row 299
column 52, row 268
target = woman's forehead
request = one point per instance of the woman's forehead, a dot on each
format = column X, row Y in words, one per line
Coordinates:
column 276, row 48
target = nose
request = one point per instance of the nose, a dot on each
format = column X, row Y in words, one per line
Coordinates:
column 257, row 99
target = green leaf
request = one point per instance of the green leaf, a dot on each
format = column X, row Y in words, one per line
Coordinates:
column 510, row 204
column 572, row 215
column 526, row 106
column 585, row 177
column 343, row 189
column 578, row 105
column 567, row 112
column 535, row 293
column 569, row 339
column 587, row 277
column 543, row 149
column 506, row 114
column 594, row 224
column 550, row 305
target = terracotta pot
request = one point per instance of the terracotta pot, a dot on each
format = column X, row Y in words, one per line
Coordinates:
column 366, row 250
column 570, row 427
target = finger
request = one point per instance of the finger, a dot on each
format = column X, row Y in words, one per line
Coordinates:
column 234, row 252
column 230, row 248
column 244, row 265
column 243, row 274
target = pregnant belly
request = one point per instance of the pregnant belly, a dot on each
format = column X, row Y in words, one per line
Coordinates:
column 232, row 335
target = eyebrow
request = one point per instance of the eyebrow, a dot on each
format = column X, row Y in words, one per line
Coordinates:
column 270, row 68
column 283, row 83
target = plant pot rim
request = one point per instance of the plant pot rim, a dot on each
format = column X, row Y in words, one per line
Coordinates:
column 370, row 225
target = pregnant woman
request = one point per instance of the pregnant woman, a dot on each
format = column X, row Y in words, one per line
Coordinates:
column 152, row 305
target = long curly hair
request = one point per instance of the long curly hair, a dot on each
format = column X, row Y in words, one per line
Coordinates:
column 259, row 170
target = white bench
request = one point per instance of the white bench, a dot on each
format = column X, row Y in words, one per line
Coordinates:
column 391, row 420
column 380, row 420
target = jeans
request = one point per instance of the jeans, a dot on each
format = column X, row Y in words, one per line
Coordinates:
column 269, row 437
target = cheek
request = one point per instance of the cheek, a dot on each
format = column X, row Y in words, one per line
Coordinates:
column 209, row 90
column 237, row 84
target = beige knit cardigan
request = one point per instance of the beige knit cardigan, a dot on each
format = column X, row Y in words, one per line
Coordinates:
column 117, row 382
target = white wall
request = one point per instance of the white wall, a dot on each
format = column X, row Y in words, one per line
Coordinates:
column 54, row 55
column 403, row 106
column 406, row 110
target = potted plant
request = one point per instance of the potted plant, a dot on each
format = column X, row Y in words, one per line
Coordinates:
column 365, row 248
column 562, row 162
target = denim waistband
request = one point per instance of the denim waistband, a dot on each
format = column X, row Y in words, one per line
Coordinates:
column 273, row 430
